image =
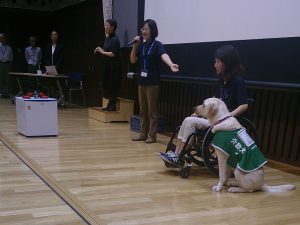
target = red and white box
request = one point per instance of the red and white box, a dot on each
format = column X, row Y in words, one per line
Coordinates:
column 37, row 116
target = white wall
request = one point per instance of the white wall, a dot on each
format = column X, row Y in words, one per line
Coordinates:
column 191, row 21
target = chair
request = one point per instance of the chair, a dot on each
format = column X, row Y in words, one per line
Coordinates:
column 74, row 83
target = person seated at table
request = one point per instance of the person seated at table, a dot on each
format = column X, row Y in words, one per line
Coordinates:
column 231, row 90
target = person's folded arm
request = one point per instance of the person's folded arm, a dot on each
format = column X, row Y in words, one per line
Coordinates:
column 108, row 54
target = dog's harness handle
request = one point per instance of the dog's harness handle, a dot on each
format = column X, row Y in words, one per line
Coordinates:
column 221, row 120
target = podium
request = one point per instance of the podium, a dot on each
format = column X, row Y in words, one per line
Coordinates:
column 37, row 116
column 124, row 111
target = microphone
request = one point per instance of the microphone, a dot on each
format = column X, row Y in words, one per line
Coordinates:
column 132, row 75
column 134, row 41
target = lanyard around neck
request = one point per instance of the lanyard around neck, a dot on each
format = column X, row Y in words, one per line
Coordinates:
column 145, row 58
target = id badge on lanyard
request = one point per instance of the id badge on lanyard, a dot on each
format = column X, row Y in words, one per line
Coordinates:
column 144, row 72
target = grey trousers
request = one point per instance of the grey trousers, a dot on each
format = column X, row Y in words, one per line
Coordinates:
column 189, row 126
column 5, row 84
column 148, row 100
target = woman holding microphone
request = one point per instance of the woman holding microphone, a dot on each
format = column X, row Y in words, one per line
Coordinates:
column 148, row 54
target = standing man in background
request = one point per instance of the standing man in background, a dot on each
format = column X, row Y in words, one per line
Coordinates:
column 33, row 55
column 6, row 58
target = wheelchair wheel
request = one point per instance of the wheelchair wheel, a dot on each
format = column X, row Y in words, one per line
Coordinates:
column 195, row 152
column 185, row 172
column 209, row 155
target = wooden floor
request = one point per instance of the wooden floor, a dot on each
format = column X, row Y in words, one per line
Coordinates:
column 97, row 169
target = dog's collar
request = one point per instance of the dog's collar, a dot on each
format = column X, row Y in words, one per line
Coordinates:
column 221, row 120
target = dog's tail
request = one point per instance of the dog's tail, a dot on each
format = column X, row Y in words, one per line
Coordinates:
column 279, row 188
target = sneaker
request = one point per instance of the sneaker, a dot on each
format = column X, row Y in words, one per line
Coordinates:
column 168, row 165
column 170, row 157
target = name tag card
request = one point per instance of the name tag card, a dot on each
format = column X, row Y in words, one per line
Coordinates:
column 144, row 74
column 245, row 138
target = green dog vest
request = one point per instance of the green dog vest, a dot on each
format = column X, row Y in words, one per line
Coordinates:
column 241, row 150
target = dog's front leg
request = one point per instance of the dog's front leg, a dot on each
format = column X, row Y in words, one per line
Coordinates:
column 222, row 159
column 230, row 182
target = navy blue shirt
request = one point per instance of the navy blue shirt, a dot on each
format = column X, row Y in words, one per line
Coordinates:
column 150, row 54
column 232, row 92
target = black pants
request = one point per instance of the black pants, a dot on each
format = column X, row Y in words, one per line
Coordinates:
column 5, row 79
column 111, row 81
column 32, row 68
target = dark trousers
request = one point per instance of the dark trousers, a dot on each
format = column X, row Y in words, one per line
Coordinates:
column 30, row 83
column 32, row 68
column 5, row 80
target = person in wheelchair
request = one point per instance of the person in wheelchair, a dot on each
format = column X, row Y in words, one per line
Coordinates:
column 231, row 89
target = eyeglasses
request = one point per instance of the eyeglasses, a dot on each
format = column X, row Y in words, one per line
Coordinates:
column 145, row 29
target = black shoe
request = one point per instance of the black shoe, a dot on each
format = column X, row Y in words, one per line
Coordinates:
column 105, row 108
column 111, row 108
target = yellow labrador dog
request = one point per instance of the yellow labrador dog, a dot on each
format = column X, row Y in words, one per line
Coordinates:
column 235, row 148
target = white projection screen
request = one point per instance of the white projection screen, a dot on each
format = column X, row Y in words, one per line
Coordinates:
column 192, row 21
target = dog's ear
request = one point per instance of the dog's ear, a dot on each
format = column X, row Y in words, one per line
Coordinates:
column 213, row 108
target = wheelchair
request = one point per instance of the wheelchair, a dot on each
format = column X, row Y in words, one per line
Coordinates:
column 201, row 152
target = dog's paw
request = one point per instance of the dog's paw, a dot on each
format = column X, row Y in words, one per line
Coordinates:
column 217, row 188
column 232, row 189
column 231, row 184
column 236, row 190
